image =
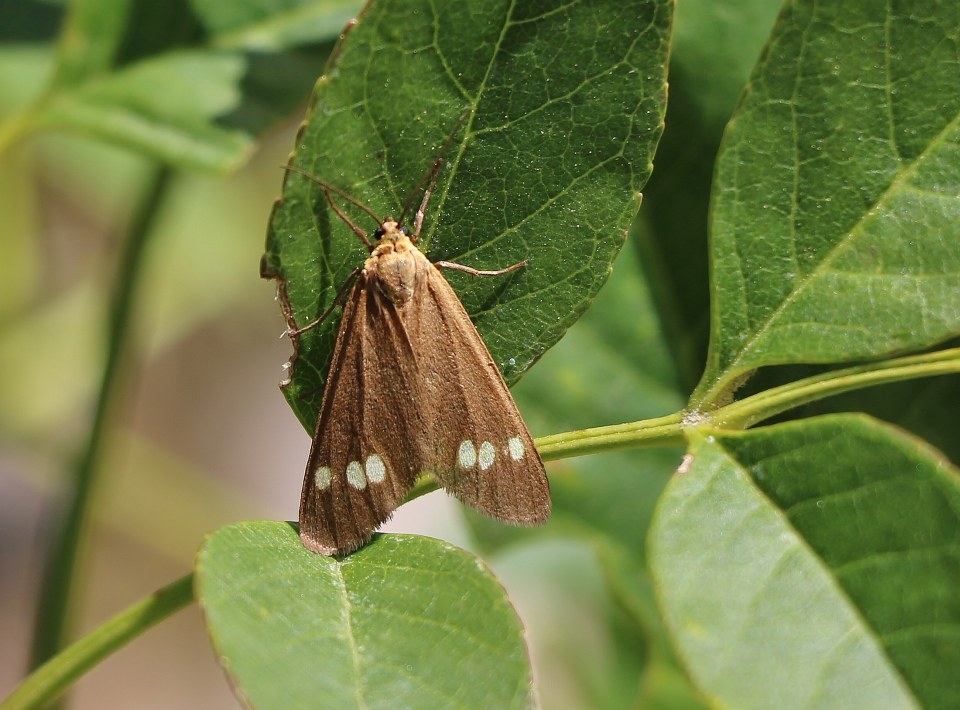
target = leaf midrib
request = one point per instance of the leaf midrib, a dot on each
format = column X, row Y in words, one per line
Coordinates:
column 348, row 631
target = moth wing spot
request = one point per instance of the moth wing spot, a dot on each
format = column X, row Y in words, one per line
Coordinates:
column 322, row 477
column 376, row 469
column 467, row 454
column 515, row 447
column 355, row 476
column 487, row 455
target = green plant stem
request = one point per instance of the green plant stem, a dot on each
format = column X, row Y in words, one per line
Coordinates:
column 51, row 679
column 60, row 574
column 763, row 405
column 668, row 431
column 662, row 431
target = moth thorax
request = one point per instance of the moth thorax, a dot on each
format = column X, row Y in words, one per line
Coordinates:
column 395, row 265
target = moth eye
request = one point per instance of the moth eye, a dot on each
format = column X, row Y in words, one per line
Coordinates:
column 378, row 233
column 404, row 231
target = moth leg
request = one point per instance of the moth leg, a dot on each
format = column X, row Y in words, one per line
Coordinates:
column 338, row 301
column 479, row 272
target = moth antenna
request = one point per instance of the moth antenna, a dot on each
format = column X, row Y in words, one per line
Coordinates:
column 418, row 217
column 346, row 220
column 431, row 174
column 327, row 189
column 336, row 302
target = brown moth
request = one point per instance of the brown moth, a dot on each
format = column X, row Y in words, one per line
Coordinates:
column 412, row 389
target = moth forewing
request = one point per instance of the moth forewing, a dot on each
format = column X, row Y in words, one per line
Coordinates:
column 361, row 461
column 412, row 388
column 478, row 447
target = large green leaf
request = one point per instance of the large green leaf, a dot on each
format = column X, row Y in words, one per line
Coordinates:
column 404, row 622
column 814, row 564
column 837, row 197
column 556, row 140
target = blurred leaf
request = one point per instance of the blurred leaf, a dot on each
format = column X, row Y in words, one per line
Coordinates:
column 557, row 141
column 27, row 411
column 715, row 45
column 663, row 684
column 836, row 207
column 590, row 660
column 24, row 68
column 814, row 564
column 150, row 76
column 150, row 107
column 90, row 37
column 28, row 21
column 274, row 25
column 404, row 622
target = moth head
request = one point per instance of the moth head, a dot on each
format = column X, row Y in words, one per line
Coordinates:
column 391, row 231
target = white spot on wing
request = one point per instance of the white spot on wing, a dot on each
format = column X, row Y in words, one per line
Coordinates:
column 376, row 469
column 515, row 447
column 322, row 477
column 355, row 476
column 487, row 454
column 467, row 454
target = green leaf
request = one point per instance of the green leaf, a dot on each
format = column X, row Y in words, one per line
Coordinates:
column 404, row 622
column 837, row 192
column 556, row 142
column 814, row 564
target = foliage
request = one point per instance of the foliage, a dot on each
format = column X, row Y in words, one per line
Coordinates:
column 803, row 255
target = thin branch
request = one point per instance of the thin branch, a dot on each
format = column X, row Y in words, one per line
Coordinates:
column 51, row 679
